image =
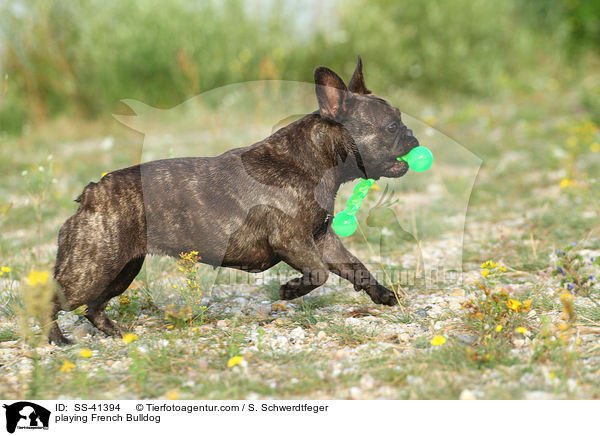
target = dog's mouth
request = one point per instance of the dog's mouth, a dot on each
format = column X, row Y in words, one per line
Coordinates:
column 397, row 168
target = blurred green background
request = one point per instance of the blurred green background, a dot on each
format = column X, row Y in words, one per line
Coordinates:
column 516, row 83
column 80, row 58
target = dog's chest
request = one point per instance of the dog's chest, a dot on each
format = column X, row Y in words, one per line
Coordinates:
column 322, row 223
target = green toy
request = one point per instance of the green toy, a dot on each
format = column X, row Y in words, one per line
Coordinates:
column 419, row 159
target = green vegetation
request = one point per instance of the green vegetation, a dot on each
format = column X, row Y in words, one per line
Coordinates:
column 515, row 83
column 81, row 59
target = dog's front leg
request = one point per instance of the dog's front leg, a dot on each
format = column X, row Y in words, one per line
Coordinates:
column 343, row 263
column 303, row 256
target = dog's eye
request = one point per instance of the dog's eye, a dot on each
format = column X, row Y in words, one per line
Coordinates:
column 392, row 128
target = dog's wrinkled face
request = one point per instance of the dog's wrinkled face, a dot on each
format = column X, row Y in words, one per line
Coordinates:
column 375, row 125
column 379, row 135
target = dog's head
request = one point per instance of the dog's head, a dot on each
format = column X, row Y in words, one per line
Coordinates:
column 376, row 127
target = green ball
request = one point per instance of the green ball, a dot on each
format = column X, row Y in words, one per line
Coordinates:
column 344, row 224
column 419, row 159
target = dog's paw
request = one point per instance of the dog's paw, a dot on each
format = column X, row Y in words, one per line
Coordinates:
column 382, row 295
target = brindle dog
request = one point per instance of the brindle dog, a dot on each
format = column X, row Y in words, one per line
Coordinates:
column 249, row 208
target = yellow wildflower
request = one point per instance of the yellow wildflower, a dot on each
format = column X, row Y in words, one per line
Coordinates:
column 521, row 330
column 85, row 353
column 130, row 337
column 6, row 269
column 563, row 326
column 37, row 277
column 502, row 268
column 572, row 141
column 595, row 147
column 498, row 328
column 514, row 304
column 67, row 366
column 172, row 395
column 566, row 297
column 565, row 183
column 485, row 272
column 235, row 360
column 438, row 340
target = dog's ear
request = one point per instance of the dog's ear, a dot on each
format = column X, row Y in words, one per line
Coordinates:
column 357, row 82
column 331, row 92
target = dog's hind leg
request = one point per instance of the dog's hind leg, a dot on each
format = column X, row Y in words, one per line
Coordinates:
column 95, row 309
column 55, row 335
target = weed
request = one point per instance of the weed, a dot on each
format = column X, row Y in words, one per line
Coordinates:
column 577, row 274
column 495, row 317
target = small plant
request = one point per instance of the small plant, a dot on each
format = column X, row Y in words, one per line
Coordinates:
column 194, row 312
column 577, row 274
column 494, row 316
column 133, row 301
column 557, row 343
column 35, row 320
column 583, row 137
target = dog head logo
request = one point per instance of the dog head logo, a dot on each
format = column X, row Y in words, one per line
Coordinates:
column 26, row 415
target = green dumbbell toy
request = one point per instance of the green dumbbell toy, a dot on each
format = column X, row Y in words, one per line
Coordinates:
column 419, row 159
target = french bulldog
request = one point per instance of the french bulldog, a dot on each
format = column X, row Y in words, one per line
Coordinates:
column 249, row 208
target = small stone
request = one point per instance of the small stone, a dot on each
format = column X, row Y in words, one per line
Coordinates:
column 538, row 395
column 355, row 393
column 341, row 355
column 83, row 330
column 367, row 382
column 321, row 335
column 412, row 380
column 222, row 323
column 298, row 334
column 457, row 292
column 519, row 343
column 467, row 395
column 281, row 341
column 353, row 322
column 403, row 337
column 422, row 313
column 455, row 305
column 466, row 339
